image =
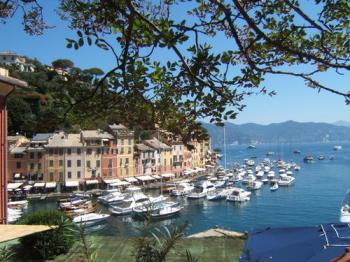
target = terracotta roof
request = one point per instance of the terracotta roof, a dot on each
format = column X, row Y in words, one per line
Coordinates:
column 96, row 134
column 156, row 144
column 143, row 147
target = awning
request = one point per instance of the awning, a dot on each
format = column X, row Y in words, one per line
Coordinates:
column 17, row 175
column 111, row 181
column 145, row 178
column 168, row 175
column 11, row 186
column 50, row 185
column 10, row 232
column 156, row 177
column 120, row 183
column 92, row 182
column 27, row 187
column 39, row 184
column 72, row 183
column 131, row 179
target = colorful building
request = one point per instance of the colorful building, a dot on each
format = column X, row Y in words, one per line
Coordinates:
column 144, row 159
column 163, row 156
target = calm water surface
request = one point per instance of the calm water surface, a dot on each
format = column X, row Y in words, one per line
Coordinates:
column 315, row 198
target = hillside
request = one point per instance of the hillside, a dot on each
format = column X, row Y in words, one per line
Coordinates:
column 286, row 132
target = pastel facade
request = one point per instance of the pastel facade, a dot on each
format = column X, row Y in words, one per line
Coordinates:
column 178, row 157
column 145, row 159
column 163, row 156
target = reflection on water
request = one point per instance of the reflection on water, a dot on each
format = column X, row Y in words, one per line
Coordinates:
column 315, row 198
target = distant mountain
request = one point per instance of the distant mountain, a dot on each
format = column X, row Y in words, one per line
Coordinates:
column 342, row 123
column 286, row 132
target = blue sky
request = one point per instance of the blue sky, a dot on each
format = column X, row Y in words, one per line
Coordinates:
column 294, row 100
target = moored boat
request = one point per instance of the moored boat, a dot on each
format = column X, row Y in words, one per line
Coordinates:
column 238, row 195
column 90, row 219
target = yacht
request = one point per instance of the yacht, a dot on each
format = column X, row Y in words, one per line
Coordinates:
column 248, row 179
column 221, row 182
column 265, row 180
column 13, row 214
column 142, row 211
column 345, row 208
column 308, row 159
column 201, row 190
column 296, row 151
column 218, row 194
column 112, row 197
column 166, row 211
column 285, row 180
column 259, row 174
column 271, row 174
column 250, row 162
column 320, row 157
column 127, row 205
column 251, row 147
column 255, row 185
column 337, row 147
column 297, row 168
column 182, row 189
column 239, row 195
column 90, row 219
column 270, row 153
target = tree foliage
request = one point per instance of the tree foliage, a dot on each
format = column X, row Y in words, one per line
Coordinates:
column 264, row 37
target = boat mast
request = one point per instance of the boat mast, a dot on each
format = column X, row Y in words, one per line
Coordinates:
column 225, row 146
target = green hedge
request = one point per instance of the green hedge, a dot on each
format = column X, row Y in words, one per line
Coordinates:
column 50, row 243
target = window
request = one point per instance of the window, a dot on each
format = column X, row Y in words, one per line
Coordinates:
column 110, row 163
column 97, row 163
column 50, row 151
column 171, row 162
column 129, row 141
column 127, row 171
column 78, row 151
column 51, row 163
column 78, row 163
column 164, row 162
column 175, row 158
column 18, row 156
column 93, row 173
column 60, row 162
column 78, row 174
column 120, row 162
column 69, row 151
column 129, row 150
column 89, row 151
column 39, row 165
column 122, row 141
column 18, row 164
column 61, row 176
column 31, row 166
column 126, row 161
column 60, row 151
column 122, row 150
column 88, row 163
column 69, row 174
column 69, row 163
column 31, row 155
column 98, row 151
column 51, row 176
column 39, row 155
column 110, row 173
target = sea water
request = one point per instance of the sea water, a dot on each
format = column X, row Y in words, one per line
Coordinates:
column 314, row 198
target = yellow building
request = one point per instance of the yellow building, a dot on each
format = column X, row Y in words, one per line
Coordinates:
column 125, row 147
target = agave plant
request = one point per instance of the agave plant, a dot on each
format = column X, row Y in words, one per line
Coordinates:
column 6, row 254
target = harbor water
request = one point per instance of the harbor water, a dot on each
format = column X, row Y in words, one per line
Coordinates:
column 315, row 197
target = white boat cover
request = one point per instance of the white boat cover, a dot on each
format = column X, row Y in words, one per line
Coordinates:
column 92, row 182
column 73, row 183
column 11, row 186
column 131, row 179
column 120, row 183
column 145, row 178
column 39, row 184
column 50, row 185
column 27, row 187
column 156, row 177
column 111, row 180
column 168, row 175
column 17, row 175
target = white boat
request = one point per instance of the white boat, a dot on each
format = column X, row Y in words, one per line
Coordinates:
column 267, row 169
column 250, row 162
column 13, row 214
column 255, row 185
column 297, row 168
column 238, row 195
column 127, row 205
column 201, row 190
column 274, row 187
column 113, row 197
column 285, row 180
column 221, row 182
column 166, row 212
column 218, row 194
column 90, row 219
column 18, row 204
column 289, row 173
column 345, row 208
column 271, row 174
column 182, row 189
column 337, row 147
column 265, row 180
column 142, row 211
column 259, row 174
column 248, row 179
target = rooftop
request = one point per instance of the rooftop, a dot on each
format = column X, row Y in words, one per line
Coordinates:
column 156, row 144
column 143, row 147
column 42, row 137
column 120, row 130
column 65, row 140
column 96, row 134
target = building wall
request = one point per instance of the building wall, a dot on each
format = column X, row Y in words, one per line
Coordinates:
column 166, row 161
column 74, row 163
column 93, row 157
column 178, row 158
column 55, row 165
column 109, row 159
column 125, row 157
column 36, row 164
column 17, row 163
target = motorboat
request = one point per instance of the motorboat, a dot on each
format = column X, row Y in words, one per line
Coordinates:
column 248, row 179
column 332, row 158
column 127, row 205
column 144, row 210
column 166, row 212
column 201, row 190
column 221, row 182
column 274, row 187
column 297, row 168
column 270, row 153
column 320, row 157
column 289, row 173
column 251, row 147
column 296, row 151
column 285, row 180
column 255, row 185
column 218, row 194
column 91, row 219
column 13, row 214
column 345, row 208
column 113, row 197
column 271, row 174
column 23, row 204
column 259, row 174
column 337, row 147
column 265, row 180
column 239, row 195
column 308, row 159
column 250, row 162
column 267, row 169
column 182, row 189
